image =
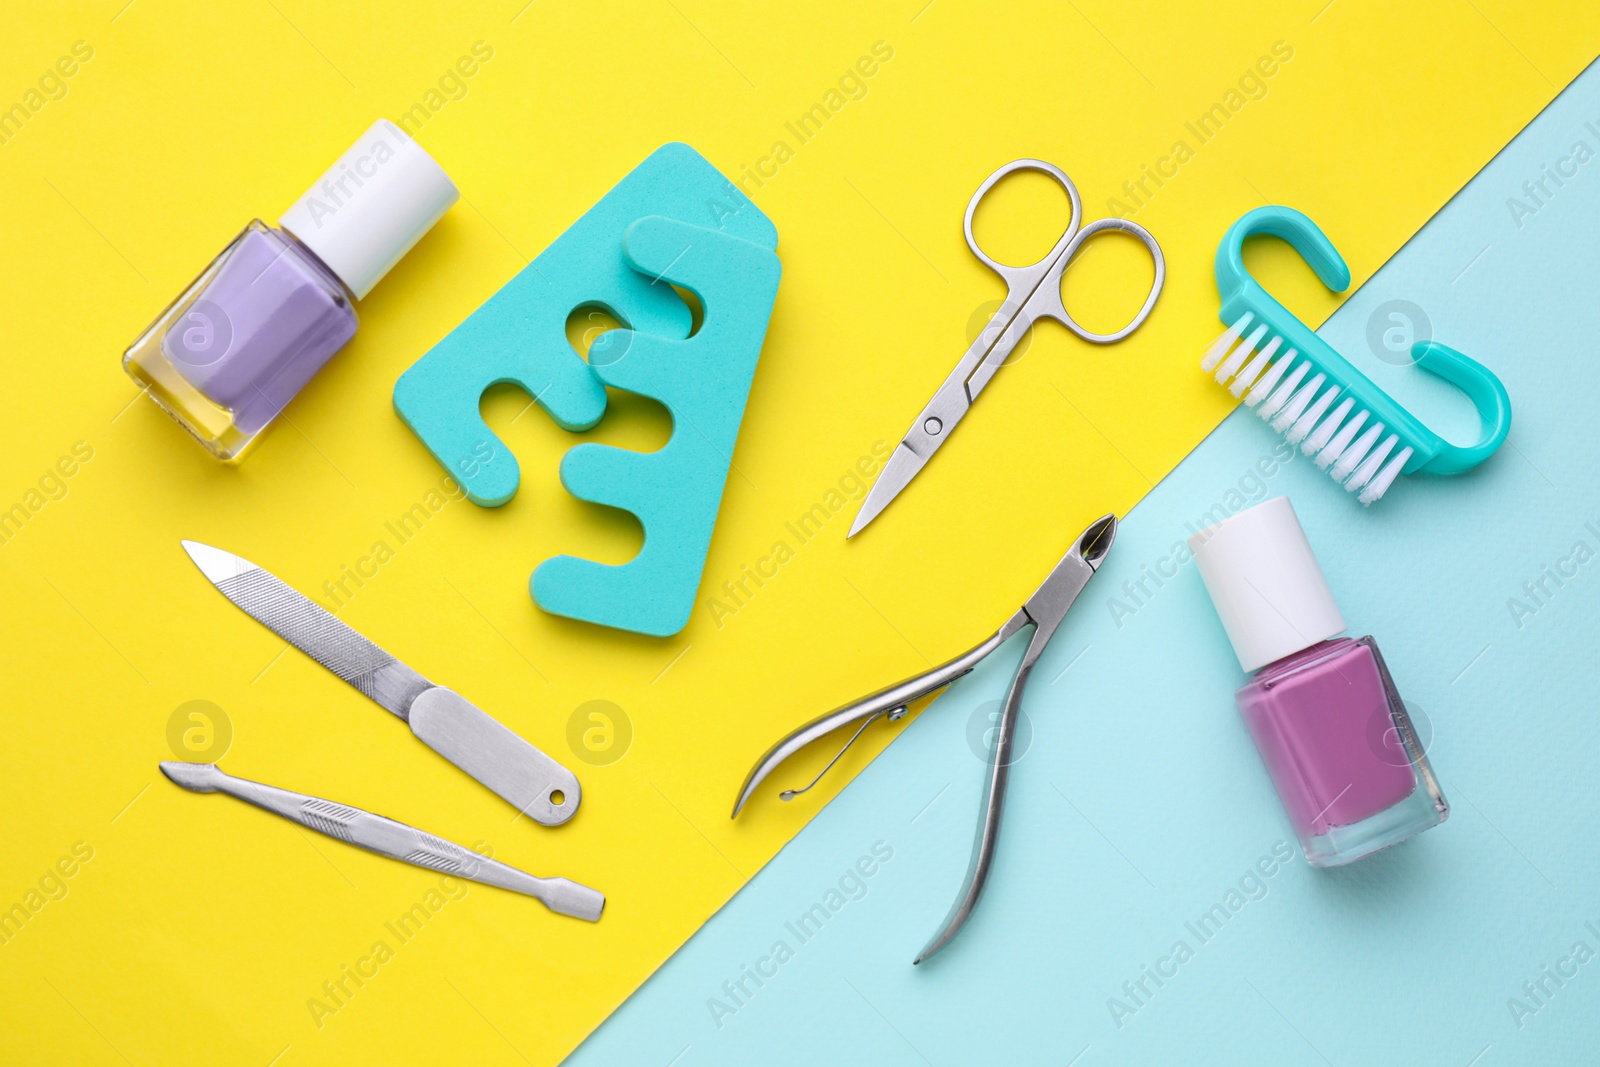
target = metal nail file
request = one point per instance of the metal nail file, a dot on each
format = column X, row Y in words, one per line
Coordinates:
column 388, row 838
column 452, row 726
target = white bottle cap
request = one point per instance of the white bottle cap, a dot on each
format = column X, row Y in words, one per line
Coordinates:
column 1266, row 584
column 371, row 206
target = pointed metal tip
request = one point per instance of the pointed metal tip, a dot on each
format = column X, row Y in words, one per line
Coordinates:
column 195, row 777
column 744, row 795
column 870, row 509
column 940, row 940
column 1096, row 540
column 932, row 948
column 902, row 465
column 214, row 563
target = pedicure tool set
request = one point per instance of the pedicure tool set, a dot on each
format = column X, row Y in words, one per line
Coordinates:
column 257, row 325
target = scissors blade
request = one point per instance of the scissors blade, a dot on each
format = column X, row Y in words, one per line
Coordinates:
column 932, row 428
column 903, row 466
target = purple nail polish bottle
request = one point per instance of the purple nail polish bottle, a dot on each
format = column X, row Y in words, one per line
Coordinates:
column 230, row 353
column 1332, row 731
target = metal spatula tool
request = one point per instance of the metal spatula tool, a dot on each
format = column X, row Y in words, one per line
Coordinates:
column 396, row 840
column 452, row 726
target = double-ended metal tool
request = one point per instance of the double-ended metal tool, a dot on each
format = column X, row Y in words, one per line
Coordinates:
column 1043, row 611
column 452, row 726
column 389, row 838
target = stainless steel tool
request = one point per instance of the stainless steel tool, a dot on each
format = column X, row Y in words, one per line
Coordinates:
column 389, row 838
column 449, row 724
column 1043, row 611
column 1033, row 292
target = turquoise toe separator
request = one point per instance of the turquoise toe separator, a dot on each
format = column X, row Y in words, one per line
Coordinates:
column 674, row 220
column 703, row 381
column 519, row 335
column 1242, row 294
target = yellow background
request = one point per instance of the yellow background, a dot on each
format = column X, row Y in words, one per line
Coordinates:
column 201, row 928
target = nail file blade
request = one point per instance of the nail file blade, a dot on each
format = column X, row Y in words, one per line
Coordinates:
column 455, row 728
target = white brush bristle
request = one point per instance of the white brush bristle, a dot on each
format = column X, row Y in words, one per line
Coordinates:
column 1280, row 396
column 1253, row 369
column 1297, row 404
column 1231, row 365
column 1357, row 452
column 1379, row 485
column 1320, row 437
column 1305, row 422
column 1369, row 466
column 1295, row 401
column 1341, row 440
column 1268, row 381
column 1221, row 345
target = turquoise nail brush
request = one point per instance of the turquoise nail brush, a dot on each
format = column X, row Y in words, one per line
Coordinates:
column 1368, row 439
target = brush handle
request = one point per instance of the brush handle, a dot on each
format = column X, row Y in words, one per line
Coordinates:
column 1242, row 294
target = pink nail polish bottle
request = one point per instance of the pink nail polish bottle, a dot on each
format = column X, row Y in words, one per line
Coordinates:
column 1322, row 708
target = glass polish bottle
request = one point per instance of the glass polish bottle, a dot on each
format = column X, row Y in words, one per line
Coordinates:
column 1322, row 708
column 231, row 352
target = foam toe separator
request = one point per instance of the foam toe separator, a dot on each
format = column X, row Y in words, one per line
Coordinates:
column 704, row 382
column 519, row 334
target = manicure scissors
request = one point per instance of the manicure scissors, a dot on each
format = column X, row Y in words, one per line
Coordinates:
column 1044, row 611
column 1033, row 292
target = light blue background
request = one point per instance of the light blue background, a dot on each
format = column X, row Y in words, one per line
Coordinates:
column 1142, row 801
